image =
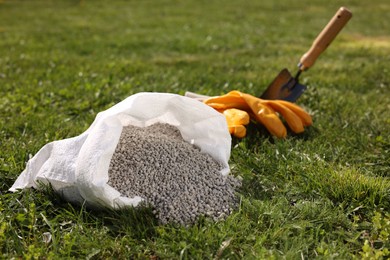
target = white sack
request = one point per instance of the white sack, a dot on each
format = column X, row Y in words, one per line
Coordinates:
column 78, row 167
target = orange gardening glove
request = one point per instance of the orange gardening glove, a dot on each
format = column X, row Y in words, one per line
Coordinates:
column 236, row 120
column 265, row 111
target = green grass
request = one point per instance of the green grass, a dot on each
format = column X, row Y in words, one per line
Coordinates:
column 322, row 194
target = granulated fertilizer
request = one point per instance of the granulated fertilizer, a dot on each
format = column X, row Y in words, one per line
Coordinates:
column 179, row 181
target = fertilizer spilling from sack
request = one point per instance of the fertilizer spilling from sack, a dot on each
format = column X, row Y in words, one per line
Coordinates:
column 179, row 181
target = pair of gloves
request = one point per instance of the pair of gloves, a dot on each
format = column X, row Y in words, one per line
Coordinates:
column 239, row 107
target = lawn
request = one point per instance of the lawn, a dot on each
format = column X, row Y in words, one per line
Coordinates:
column 325, row 193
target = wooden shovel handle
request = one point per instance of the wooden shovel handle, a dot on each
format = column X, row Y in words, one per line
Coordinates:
column 323, row 40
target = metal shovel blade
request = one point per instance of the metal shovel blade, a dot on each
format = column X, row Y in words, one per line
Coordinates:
column 284, row 87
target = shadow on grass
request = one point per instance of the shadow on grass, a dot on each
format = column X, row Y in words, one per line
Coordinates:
column 138, row 222
column 261, row 159
column 257, row 133
column 135, row 222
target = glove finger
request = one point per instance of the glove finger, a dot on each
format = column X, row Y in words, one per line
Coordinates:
column 224, row 106
column 292, row 119
column 236, row 116
column 229, row 100
column 272, row 122
column 303, row 115
column 265, row 115
column 223, row 99
column 238, row 131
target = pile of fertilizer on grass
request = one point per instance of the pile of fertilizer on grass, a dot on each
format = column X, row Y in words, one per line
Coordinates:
column 174, row 177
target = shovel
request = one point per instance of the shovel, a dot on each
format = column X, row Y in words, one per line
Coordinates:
column 287, row 87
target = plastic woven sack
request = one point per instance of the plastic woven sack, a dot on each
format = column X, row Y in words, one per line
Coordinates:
column 77, row 167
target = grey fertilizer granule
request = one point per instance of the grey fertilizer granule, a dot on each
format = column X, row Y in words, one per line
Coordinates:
column 179, row 181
